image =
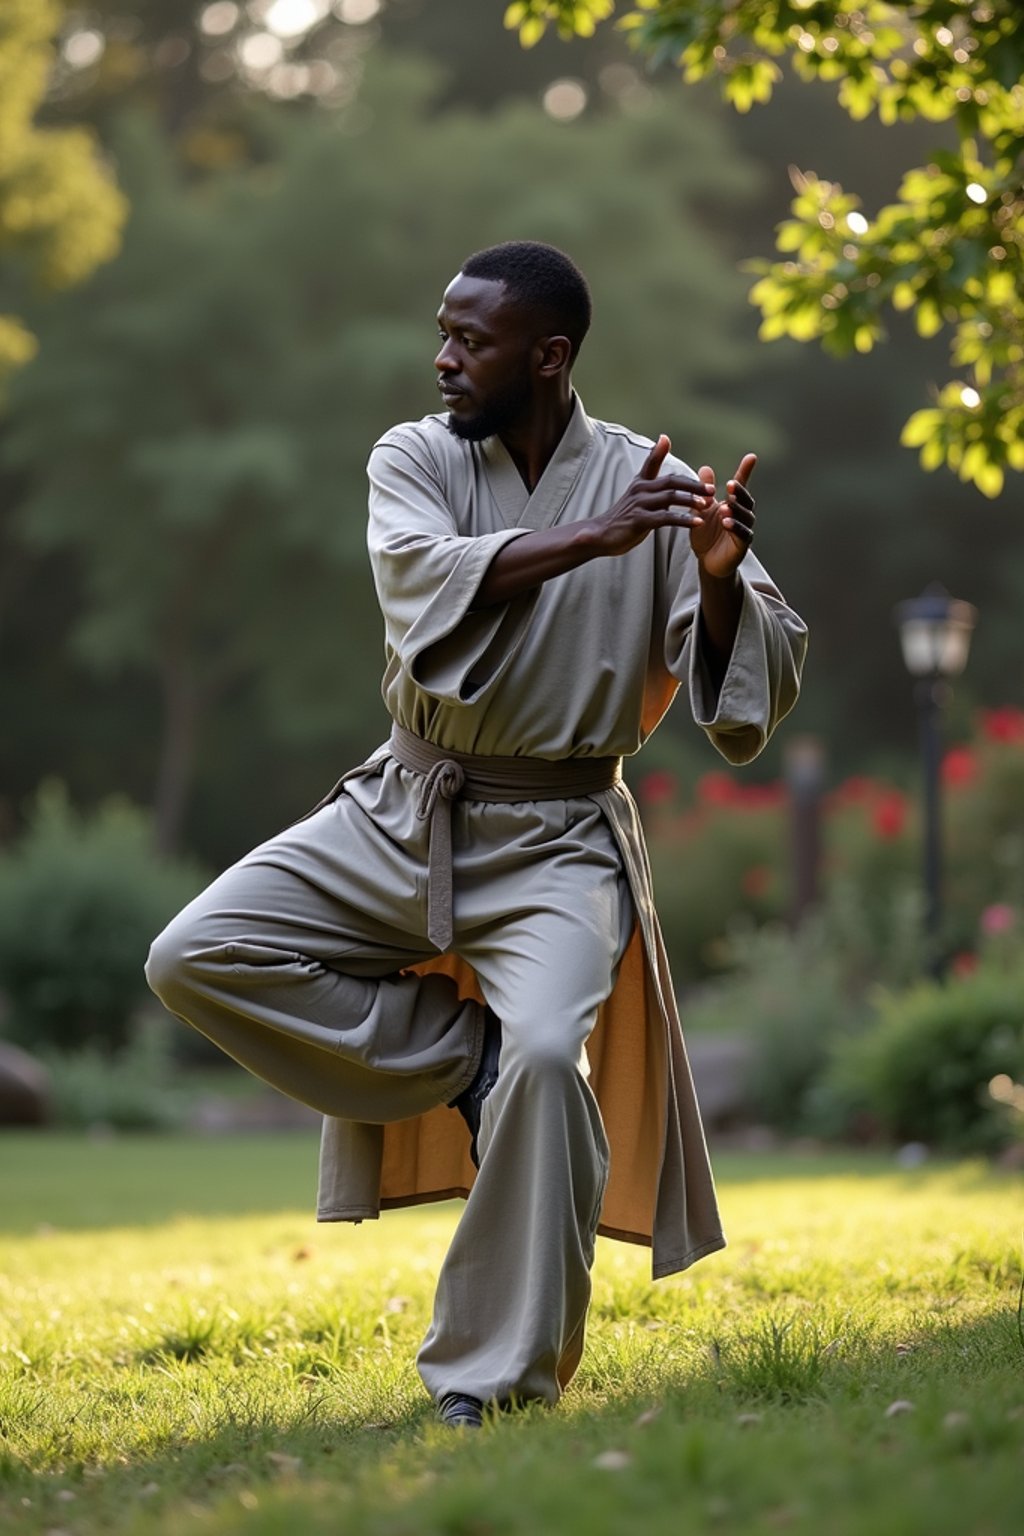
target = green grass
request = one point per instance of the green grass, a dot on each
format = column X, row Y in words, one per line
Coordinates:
column 183, row 1352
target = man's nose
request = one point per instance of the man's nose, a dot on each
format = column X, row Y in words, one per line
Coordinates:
column 444, row 362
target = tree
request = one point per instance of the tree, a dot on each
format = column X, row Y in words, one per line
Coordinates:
column 60, row 212
column 218, row 387
column 950, row 249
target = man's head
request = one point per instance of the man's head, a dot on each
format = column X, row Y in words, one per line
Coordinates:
column 511, row 324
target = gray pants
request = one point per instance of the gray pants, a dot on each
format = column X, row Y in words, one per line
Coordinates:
column 291, row 962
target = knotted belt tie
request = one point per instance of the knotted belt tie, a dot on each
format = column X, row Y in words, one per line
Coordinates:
column 449, row 776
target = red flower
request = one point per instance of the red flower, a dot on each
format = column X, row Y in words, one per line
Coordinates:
column 761, row 796
column 658, row 788
column 1006, row 724
column 718, row 789
column 889, row 816
column 959, row 767
column 998, row 918
column 756, row 881
column 964, row 964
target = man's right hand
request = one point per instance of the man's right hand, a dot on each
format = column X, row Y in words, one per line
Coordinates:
column 652, row 500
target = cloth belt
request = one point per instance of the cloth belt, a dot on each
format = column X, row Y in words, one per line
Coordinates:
column 449, row 776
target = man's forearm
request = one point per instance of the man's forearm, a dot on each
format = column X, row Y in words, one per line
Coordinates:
column 721, row 602
column 525, row 563
column 652, row 500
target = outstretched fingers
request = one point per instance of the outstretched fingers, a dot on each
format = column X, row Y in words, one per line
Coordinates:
column 651, row 467
column 747, row 465
column 740, row 516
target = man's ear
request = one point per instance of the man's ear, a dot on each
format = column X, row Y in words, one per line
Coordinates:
column 555, row 355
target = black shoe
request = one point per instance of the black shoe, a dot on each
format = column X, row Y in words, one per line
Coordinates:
column 460, row 1412
column 470, row 1101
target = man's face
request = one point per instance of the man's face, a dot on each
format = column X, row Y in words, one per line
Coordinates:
column 483, row 366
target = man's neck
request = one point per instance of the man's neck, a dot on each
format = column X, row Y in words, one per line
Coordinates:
column 532, row 445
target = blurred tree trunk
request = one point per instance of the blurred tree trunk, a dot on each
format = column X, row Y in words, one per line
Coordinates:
column 183, row 704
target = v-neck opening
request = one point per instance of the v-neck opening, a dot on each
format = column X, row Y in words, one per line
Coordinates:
column 541, row 507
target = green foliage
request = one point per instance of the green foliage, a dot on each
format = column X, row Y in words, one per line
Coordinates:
column 572, row 18
column 951, row 248
column 130, row 1090
column 81, row 899
column 718, row 863
column 215, row 515
column 720, row 858
column 788, row 994
column 797, row 994
column 802, row 997
column 922, row 1070
column 60, row 212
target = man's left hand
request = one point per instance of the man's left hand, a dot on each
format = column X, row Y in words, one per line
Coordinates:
column 727, row 528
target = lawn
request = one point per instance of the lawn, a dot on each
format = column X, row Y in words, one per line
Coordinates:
column 182, row 1352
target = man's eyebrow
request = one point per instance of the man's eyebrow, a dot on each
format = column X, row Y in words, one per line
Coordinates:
column 466, row 327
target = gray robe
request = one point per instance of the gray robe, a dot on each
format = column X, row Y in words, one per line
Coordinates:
column 583, row 666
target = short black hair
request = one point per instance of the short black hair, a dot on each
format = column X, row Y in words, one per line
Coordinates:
column 541, row 277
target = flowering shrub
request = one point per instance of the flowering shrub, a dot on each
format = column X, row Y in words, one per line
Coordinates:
column 722, row 855
column 720, row 860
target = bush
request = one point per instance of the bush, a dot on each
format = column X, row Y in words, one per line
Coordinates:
column 128, row 1090
column 789, row 996
column 922, row 1069
column 722, row 852
column 81, row 898
column 717, row 862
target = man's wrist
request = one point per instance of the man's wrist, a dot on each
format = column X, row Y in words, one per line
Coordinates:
column 732, row 580
column 588, row 537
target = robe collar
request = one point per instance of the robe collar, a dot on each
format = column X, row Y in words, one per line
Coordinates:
column 542, row 507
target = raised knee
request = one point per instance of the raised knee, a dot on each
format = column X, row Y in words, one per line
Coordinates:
column 168, row 967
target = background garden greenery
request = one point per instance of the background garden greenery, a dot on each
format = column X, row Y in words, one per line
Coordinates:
column 183, row 586
column 191, row 644
column 950, row 248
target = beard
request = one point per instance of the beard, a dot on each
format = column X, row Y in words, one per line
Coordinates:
column 500, row 412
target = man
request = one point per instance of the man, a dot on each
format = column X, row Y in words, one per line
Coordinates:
column 466, row 921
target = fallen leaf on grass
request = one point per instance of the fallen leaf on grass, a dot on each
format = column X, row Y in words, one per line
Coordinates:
column 748, row 1420
column 283, row 1462
column 899, row 1406
column 648, row 1416
column 612, row 1461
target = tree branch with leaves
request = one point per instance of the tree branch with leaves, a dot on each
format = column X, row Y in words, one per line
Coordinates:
column 61, row 213
column 950, row 249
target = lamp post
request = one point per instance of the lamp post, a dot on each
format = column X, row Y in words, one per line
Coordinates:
column 935, row 633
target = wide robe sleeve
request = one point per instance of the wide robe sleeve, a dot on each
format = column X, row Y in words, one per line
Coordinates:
column 427, row 574
column 762, row 679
